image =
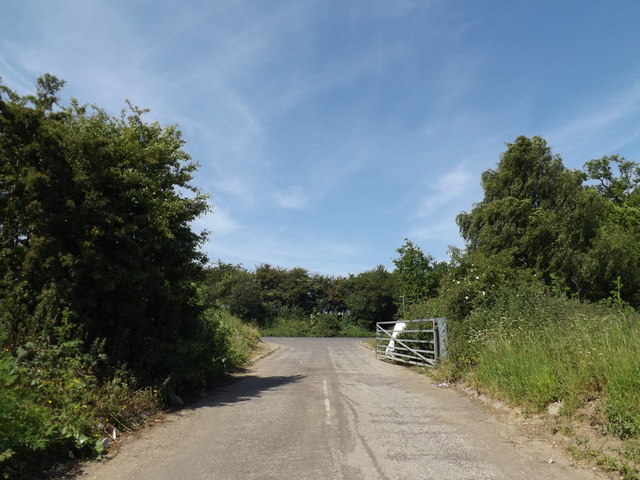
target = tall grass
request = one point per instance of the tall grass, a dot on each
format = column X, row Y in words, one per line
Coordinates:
column 569, row 352
column 55, row 405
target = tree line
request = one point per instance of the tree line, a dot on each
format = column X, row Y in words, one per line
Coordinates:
column 577, row 232
column 268, row 294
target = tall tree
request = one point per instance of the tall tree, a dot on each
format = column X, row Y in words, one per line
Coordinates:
column 543, row 217
column 286, row 288
column 525, row 202
column 94, row 222
column 615, row 254
column 330, row 294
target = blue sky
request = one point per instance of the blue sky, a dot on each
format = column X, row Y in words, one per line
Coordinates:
column 328, row 131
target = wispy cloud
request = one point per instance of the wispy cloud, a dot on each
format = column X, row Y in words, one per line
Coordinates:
column 445, row 189
column 293, row 198
column 220, row 222
column 445, row 228
column 331, row 75
column 13, row 77
column 235, row 186
column 601, row 127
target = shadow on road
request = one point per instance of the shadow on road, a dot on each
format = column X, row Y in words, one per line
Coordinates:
column 242, row 390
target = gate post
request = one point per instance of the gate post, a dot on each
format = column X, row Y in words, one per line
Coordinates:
column 441, row 337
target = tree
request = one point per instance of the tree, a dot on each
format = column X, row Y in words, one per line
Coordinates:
column 371, row 297
column 615, row 252
column 524, row 204
column 528, row 202
column 238, row 291
column 286, row 288
column 540, row 215
column 418, row 274
column 330, row 294
column 618, row 189
column 95, row 223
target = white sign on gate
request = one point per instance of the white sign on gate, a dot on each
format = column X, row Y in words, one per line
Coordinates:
column 397, row 328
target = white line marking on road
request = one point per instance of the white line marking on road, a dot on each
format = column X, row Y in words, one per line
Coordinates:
column 327, row 402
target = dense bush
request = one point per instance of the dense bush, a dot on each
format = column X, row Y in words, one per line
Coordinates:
column 53, row 405
column 102, row 315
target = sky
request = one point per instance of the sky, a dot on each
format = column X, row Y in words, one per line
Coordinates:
column 328, row 131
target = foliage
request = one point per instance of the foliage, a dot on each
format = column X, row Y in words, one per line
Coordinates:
column 56, row 406
column 330, row 294
column 294, row 303
column 418, row 274
column 52, row 400
column 544, row 242
column 563, row 350
column 371, row 297
column 576, row 235
column 238, row 291
column 235, row 339
column 23, row 422
column 288, row 327
column 96, row 220
column 316, row 325
column 102, row 314
column 616, row 188
column 525, row 199
column 285, row 288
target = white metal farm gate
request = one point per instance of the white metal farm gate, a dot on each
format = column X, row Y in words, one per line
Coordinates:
column 417, row 342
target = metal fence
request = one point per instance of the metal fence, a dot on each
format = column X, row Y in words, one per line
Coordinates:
column 417, row 342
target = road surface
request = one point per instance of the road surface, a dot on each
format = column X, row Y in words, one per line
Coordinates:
column 326, row 409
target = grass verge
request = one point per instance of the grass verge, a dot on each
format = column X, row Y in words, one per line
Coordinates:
column 561, row 352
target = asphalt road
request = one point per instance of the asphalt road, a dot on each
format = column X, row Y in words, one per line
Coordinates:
column 326, row 409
